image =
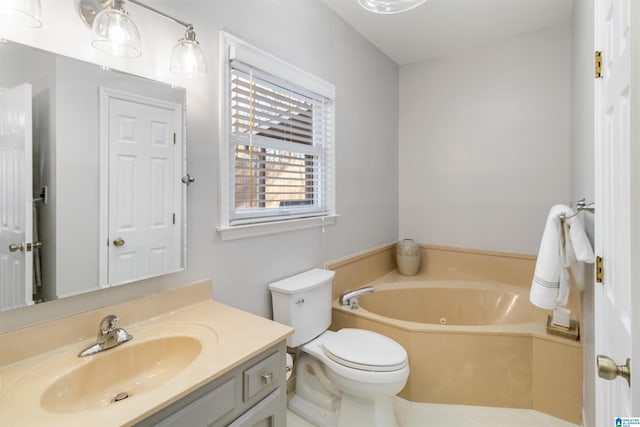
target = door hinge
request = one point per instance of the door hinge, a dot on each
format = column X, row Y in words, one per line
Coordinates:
column 174, row 219
column 174, row 138
column 599, row 270
column 598, row 64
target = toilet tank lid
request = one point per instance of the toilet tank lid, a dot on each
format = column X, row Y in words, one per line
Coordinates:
column 303, row 281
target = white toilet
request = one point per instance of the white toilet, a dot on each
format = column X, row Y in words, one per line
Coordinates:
column 344, row 378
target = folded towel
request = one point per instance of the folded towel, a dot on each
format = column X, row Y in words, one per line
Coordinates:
column 549, row 265
column 580, row 243
column 563, row 243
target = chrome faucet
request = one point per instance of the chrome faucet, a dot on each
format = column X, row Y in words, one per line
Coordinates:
column 108, row 336
column 350, row 298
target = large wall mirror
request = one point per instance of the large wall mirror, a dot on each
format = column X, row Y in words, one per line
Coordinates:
column 91, row 168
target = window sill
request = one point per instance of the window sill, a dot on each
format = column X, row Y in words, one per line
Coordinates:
column 252, row 230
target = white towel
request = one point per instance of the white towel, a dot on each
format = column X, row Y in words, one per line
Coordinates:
column 563, row 243
column 579, row 240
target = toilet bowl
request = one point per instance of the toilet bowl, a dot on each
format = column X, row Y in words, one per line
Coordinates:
column 349, row 388
column 344, row 378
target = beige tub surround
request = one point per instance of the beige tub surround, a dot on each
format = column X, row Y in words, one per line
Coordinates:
column 359, row 269
column 472, row 335
column 378, row 265
column 438, row 262
column 182, row 340
column 473, row 343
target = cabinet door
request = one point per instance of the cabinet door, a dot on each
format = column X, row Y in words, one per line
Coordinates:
column 266, row 413
column 206, row 410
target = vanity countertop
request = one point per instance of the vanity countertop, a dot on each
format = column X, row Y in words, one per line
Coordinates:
column 229, row 338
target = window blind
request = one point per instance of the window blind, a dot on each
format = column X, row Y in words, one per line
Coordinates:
column 280, row 144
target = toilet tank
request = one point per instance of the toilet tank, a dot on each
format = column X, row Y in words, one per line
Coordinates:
column 303, row 302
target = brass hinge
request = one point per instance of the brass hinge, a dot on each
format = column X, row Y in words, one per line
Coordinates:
column 599, row 270
column 174, row 219
column 598, row 64
column 174, row 138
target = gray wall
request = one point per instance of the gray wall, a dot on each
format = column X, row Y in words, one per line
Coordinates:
column 366, row 147
column 484, row 143
column 308, row 35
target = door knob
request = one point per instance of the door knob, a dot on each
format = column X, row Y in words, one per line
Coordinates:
column 119, row 241
column 14, row 247
column 188, row 179
column 608, row 369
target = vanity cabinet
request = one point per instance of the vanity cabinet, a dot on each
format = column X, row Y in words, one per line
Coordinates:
column 251, row 395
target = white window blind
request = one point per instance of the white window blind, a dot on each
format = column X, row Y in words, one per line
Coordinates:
column 280, row 148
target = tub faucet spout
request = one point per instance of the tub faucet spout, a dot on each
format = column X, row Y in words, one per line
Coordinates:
column 350, row 298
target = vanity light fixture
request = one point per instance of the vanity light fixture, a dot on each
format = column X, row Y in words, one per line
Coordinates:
column 389, row 6
column 187, row 58
column 114, row 32
column 23, row 13
column 118, row 35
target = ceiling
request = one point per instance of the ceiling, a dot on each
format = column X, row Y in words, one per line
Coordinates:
column 440, row 27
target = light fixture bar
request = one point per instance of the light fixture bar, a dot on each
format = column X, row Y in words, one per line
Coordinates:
column 159, row 12
column 187, row 58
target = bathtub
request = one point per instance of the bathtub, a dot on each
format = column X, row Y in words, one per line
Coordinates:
column 474, row 343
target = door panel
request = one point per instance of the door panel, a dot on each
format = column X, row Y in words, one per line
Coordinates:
column 613, row 201
column 16, row 205
column 143, row 183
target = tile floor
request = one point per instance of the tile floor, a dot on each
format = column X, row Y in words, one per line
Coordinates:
column 412, row 414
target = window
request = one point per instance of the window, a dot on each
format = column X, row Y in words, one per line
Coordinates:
column 276, row 144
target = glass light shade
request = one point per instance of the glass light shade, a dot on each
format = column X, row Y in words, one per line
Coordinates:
column 23, row 13
column 188, row 60
column 389, row 6
column 116, row 34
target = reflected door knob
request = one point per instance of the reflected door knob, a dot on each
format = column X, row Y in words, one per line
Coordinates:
column 119, row 241
column 14, row 247
column 188, row 179
column 608, row 369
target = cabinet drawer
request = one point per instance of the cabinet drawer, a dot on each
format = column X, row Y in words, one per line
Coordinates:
column 261, row 375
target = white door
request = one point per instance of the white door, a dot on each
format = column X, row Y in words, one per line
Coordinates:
column 617, row 214
column 16, row 199
column 144, row 189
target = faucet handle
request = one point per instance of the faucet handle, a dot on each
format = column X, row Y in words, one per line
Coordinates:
column 108, row 324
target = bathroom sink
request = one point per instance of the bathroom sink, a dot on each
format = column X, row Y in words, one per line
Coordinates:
column 157, row 358
column 119, row 373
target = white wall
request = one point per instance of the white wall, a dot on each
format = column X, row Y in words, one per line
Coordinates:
column 484, row 143
column 310, row 36
column 582, row 176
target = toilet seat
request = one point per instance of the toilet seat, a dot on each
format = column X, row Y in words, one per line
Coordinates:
column 365, row 350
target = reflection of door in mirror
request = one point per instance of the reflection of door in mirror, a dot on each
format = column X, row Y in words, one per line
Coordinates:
column 16, row 203
column 70, row 218
column 144, row 184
